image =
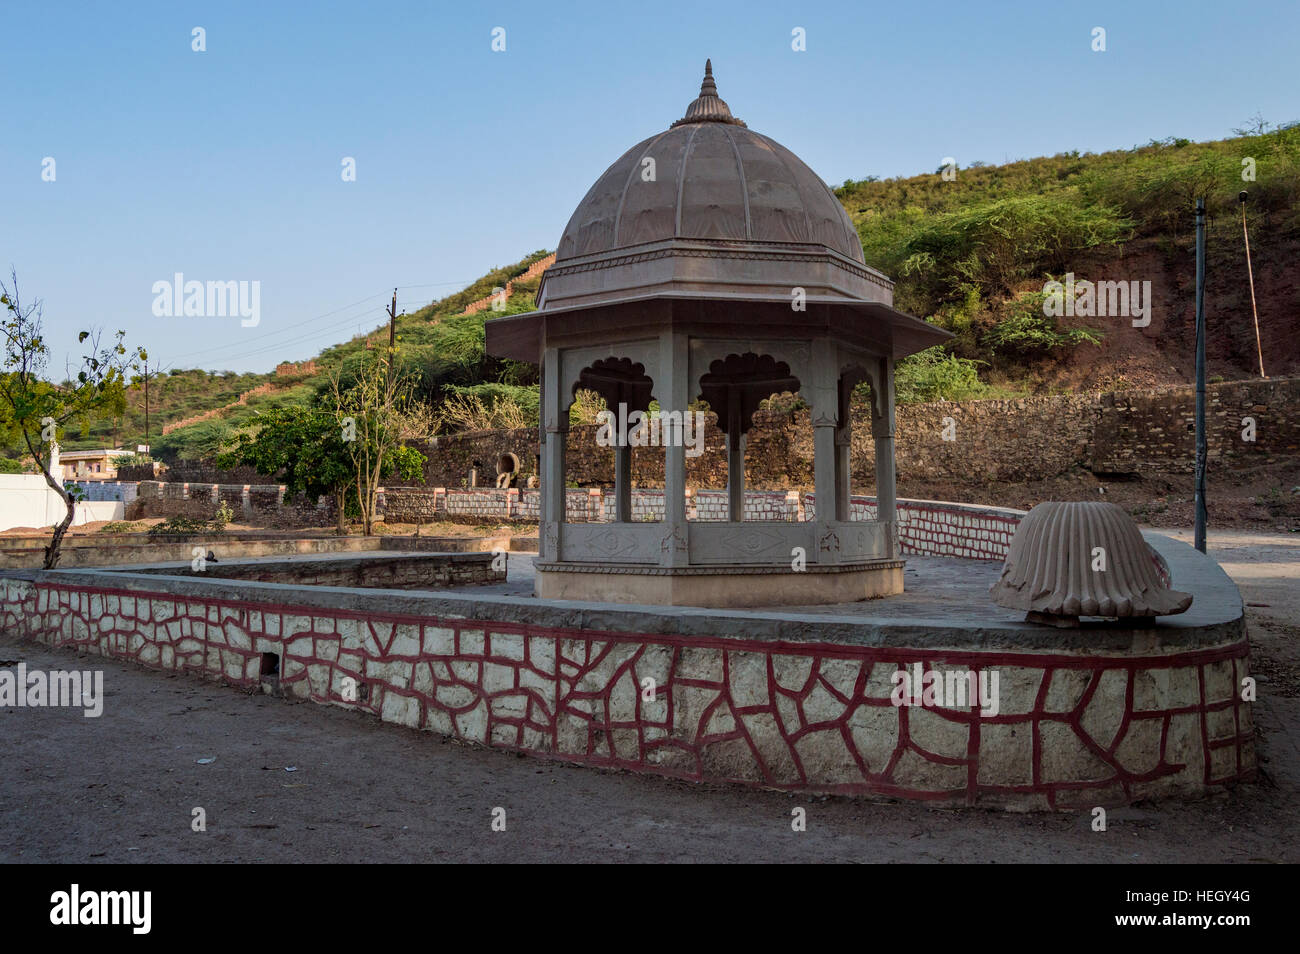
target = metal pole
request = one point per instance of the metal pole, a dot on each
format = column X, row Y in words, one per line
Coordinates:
column 1200, row 375
column 1250, row 273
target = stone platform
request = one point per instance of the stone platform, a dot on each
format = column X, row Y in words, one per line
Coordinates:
column 722, row 587
column 802, row 699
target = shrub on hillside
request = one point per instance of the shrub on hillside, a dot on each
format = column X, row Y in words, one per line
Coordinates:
column 1027, row 332
column 486, row 407
column 936, row 375
column 996, row 244
column 196, row 442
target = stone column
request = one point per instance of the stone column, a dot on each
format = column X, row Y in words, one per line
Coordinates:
column 673, row 395
column 622, row 483
column 882, row 431
column 555, row 431
column 843, row 453
column 735, row 459
column 825, row 409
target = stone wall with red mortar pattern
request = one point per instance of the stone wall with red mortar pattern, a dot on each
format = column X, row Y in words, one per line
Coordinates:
column 1074, row 730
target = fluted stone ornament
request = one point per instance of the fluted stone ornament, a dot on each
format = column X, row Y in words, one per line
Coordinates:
column 1084, row 559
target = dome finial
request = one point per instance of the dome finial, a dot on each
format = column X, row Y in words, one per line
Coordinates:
column 708, row 107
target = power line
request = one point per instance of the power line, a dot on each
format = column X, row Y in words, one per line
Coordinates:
column 333, row 328
column 280, row 331
column 299, row 324
column 280, row 346
column 464, row 284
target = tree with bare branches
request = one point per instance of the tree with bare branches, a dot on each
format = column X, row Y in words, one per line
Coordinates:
column 371, row 408
column 35, row 408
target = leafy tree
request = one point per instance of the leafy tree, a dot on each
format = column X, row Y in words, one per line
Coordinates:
column 302, row 447
column 305, row 449
column 35, row 409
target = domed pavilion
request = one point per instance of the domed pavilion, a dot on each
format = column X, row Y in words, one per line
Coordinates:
column 709, row 263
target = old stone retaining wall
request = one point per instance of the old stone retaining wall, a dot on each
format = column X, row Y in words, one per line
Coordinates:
column 1035, row 438
column 262, row 504
column 131, row 473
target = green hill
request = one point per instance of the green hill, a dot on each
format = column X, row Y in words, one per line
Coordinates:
column 173, row 396
column 969, row 252
column 972, row 254
column 441, row 343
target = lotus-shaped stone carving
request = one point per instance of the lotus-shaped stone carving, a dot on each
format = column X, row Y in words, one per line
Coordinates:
column 1084, row 559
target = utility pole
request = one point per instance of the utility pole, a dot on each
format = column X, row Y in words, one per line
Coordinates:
column 146, row 376
column 1200, row 376
column 1250, row 273
column 392, row 322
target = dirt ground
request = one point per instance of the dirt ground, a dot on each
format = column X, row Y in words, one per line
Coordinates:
column 123, row 787
column 1265, row 498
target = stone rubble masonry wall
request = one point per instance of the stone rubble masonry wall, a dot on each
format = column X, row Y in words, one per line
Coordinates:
column 1074, row 730
column 1034, row 438
column 408, row 505
column 760, row 505
column 207, row 472
column 137, row 472
column 925, row 527
column 261, row 504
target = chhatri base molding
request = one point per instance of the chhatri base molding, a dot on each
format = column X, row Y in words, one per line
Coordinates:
column 719, row 586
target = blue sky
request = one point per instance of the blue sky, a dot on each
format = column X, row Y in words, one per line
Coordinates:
column 225, row 165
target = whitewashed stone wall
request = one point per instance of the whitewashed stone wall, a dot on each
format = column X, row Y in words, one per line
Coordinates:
column 97, row 490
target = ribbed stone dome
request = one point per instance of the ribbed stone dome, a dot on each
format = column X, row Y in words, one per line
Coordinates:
column 711, row 178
